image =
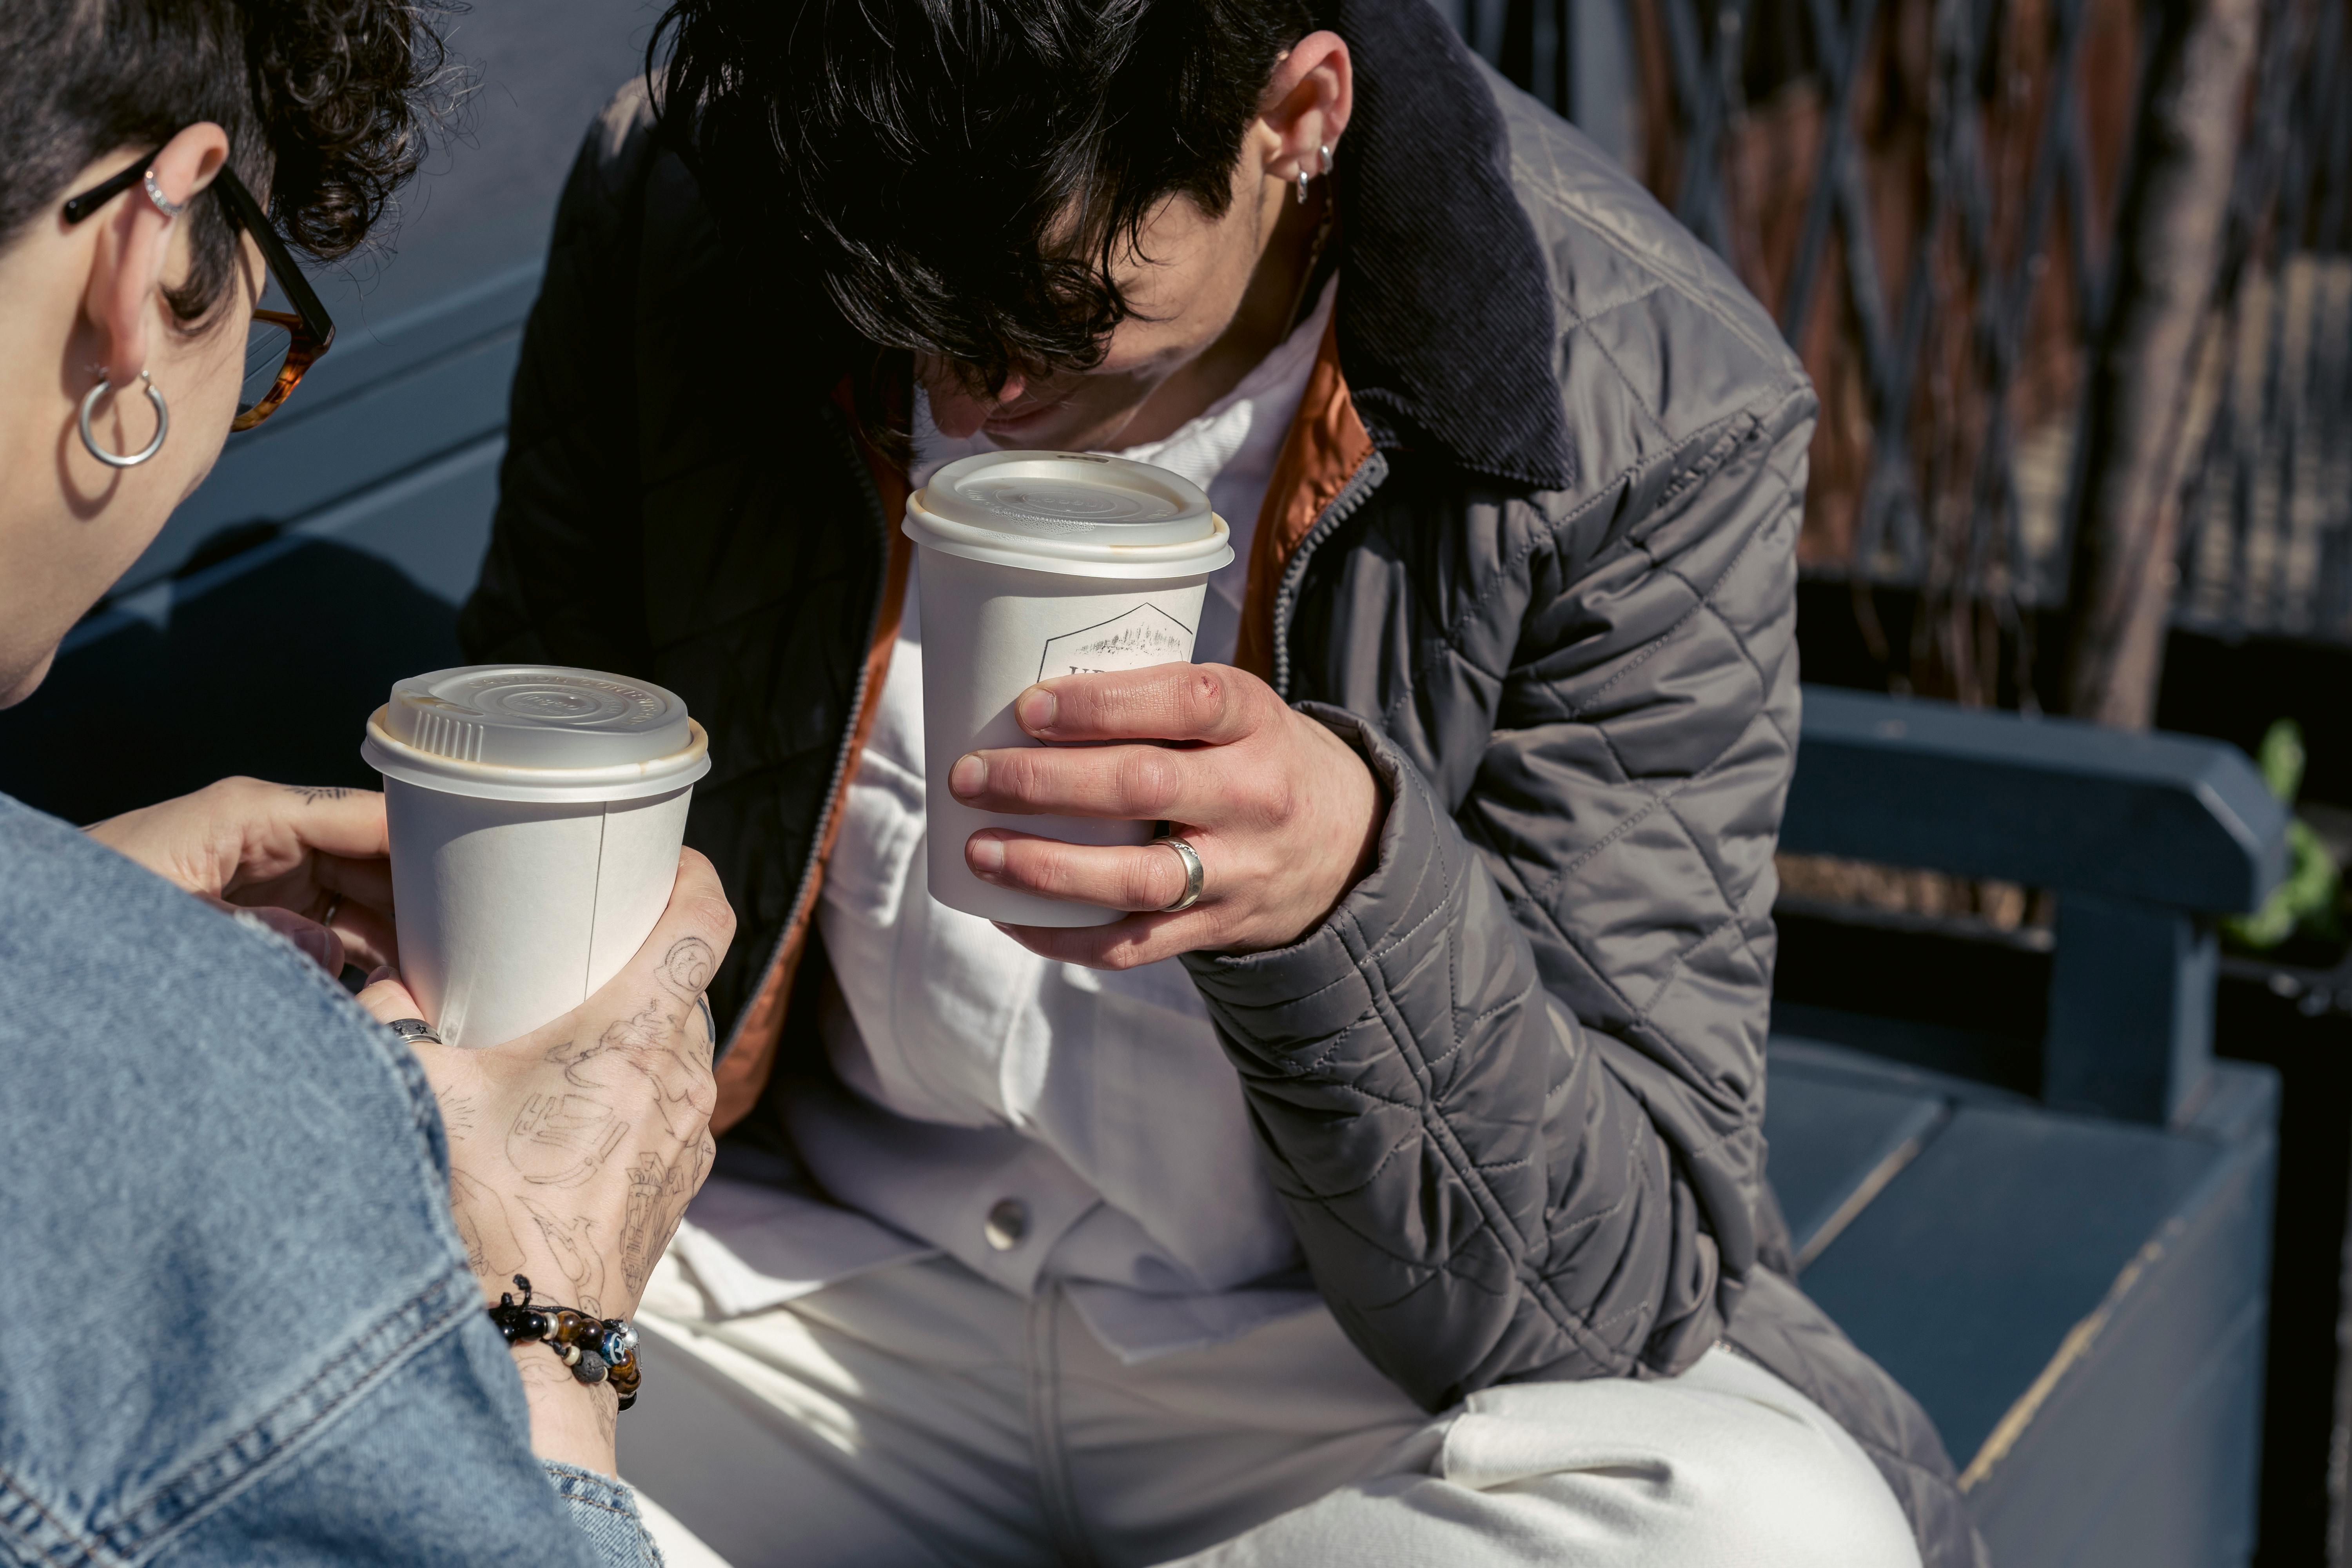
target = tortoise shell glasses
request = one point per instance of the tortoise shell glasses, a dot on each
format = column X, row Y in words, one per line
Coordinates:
column 279, row 346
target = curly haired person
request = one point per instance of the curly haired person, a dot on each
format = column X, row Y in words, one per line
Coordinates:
column 243, row 1265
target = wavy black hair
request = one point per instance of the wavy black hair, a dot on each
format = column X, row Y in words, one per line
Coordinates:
column 960, row 177
column 326, row 103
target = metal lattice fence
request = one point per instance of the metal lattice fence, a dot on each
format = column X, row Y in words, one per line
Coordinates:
column 2268, row 546
column 1926, row 193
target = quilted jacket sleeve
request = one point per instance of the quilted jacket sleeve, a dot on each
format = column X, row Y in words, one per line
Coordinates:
column 1511, row 1091
column 562, row 581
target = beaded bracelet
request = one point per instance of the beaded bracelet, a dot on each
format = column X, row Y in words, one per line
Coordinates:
column 593, row 1348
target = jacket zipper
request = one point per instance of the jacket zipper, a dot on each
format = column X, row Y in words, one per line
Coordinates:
column 881, row 526
column 1352, row 494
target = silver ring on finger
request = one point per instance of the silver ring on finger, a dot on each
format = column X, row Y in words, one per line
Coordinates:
column 413, row 1029
column 1195, row 875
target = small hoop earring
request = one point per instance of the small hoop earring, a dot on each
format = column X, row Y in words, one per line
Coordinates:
column 164, row 205
column 1327, row 158
column 1302, row 184
column 125, row 460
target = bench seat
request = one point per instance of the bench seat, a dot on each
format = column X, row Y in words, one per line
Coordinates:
column 2078, row 1301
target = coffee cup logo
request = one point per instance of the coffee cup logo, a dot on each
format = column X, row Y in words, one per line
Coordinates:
column 1136, row 639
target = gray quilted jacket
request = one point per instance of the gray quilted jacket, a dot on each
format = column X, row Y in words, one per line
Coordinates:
column 1512, row 1091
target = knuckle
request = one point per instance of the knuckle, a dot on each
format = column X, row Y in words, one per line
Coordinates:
column 1280, row 800
column 714, row 914
column 1149, row 781
column 1079, row 700
column 1045, row 864
column 701, row 902
column 1015, row 772
column 1205, row 697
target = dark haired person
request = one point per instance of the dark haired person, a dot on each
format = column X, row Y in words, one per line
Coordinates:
column 244, row 1258
column 1401, row 1200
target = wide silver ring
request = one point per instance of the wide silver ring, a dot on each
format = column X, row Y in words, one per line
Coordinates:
column 413, row 1029
column 1196, row 877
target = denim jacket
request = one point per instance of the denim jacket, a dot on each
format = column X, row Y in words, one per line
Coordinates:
column 237, row 1326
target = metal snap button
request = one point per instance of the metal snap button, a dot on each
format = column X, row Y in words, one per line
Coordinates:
column 1008, row 1222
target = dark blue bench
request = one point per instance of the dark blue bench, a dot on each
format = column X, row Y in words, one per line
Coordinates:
column 2067, row 1266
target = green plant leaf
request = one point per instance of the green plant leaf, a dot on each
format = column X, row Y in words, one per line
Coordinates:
column 2280, row 757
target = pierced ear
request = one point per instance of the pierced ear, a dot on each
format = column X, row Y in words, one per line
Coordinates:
column 1309, row 100
column 125, row 274
column 136, row 246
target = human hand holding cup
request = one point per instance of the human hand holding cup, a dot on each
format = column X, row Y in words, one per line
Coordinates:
column 574, row 1149
column 534, row 814
column 309, row 862
column 1283, row 814
column 1062, row 719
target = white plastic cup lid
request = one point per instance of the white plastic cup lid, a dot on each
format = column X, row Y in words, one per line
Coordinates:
column 1072, row 513
column 536, row 733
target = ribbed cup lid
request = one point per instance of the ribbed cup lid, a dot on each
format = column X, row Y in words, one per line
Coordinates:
column 519, row 731
column 1074, row 513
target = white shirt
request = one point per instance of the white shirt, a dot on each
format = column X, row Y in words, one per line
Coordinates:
column 1095, row 1110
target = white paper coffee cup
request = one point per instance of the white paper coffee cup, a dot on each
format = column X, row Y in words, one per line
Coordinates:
column 536, row 814
column 1037, row 564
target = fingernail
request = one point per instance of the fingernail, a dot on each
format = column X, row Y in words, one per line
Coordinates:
column 318, row 947
column 1035, row 708
column 969, row 777
column 381, row 971
column 986, row 855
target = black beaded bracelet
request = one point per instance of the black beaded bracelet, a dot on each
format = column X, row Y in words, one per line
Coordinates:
column 594, row 1348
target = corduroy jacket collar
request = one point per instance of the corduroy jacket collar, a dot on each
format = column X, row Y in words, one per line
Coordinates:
column 1446, row 330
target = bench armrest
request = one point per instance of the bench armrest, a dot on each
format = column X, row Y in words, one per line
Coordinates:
column 2174, row 820
column 2144, row 837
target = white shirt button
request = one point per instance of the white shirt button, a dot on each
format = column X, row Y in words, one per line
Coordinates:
column 1008, row 1222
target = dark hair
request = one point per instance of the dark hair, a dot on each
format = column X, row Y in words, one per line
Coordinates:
column 322, row 100
column 960, row 176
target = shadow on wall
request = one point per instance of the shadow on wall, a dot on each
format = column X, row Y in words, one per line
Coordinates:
column 272, row 673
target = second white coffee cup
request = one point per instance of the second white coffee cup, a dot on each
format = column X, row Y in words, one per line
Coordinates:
column 536, row 813
column 1037, row 564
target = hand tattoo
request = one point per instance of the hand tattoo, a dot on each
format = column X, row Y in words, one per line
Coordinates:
column 686, row 968
column 567, row 1135
column 490, row 1245
column 562, row 1140
column 654, row 1044
column 573, row 1242
column 314, row 794
column 456, row 1111
column 658, row 1194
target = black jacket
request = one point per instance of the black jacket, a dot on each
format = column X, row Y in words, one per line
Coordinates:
column 1512, row 1091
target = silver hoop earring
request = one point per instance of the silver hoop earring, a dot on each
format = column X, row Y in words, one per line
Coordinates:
column 125, row 460
column 1302, row 184
column 1327, row 158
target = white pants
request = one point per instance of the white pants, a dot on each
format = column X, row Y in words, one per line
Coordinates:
column 922, row 1415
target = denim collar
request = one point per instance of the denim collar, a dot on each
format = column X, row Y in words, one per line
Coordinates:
column 1445, row 323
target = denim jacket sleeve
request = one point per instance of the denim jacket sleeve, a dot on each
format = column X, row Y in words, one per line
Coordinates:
column 605, row 1512
column 240, row 1325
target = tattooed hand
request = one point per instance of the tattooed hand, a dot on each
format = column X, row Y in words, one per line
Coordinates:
column 292, row 855
column 574, row 1150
